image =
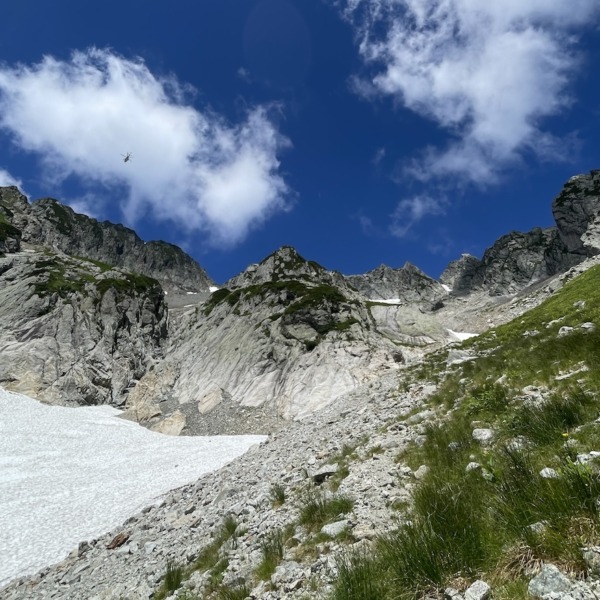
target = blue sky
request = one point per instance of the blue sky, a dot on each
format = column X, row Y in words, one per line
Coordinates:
column 361, row 132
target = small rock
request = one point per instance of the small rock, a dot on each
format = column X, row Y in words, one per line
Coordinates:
column 118, row 540
column 472, row 466
column 325, row 472
column 479, row 590
column 334, row 529
column 592, row 560
column 82, row 548
column 549, row 580
column 548, row 473
column 538, row 527
column 483, row 436
column 564, row 330
column 421, row 472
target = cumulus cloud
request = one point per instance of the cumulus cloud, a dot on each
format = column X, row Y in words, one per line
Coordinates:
column 488, row 73
column 190, row 167
column 6, row 179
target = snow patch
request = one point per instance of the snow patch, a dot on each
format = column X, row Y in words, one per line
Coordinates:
column 462, row 336
column 388, row 301
column 446, row 287
column 213, row 288
column 192, row 293
column 73, row 474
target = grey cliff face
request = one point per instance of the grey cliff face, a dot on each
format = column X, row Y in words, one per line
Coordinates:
column 10, row 235
column 49, row 223
column 407, row 284
column 576, row 211
column 283, row 348
column 460, row 273
column 514, row 262
column 72, row 332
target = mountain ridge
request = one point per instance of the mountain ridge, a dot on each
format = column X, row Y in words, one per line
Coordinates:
column 281, row 339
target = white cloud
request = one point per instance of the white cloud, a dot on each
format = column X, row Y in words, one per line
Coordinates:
column 410, row 211
column 189, row 167
column 488, row 73
column 6, row 179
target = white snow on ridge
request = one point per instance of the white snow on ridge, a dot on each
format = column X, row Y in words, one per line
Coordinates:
column 462, row 336
column 388, row 301
column 213, row 288
column 72, row 474
column 446, row 287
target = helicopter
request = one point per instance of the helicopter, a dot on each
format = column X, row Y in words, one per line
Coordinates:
column 127, row 157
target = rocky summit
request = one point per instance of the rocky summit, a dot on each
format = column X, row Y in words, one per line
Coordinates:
column 376, row 408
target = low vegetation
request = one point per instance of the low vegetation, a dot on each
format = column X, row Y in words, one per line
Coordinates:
column 55, row 276
column 210, row 559
column 499, row 510
column 319, row 508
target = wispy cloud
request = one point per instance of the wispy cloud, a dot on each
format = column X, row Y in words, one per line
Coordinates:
column 488, row 73
column 190, row 167
column 410, row 211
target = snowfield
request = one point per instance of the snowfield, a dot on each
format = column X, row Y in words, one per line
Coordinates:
column 72, row 474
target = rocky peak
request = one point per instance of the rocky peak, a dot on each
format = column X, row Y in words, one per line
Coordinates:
column 459, row 274
column 284, row 264
column 576, row 211
column 407, row 284
column 10, row 235
column 514, row 262
column 49, row 223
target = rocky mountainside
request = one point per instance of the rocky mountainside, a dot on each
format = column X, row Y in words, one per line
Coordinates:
column 280, row 343
column 514, row 262
column 83, row 323
column 74, row 331
column 518, row 260
column 345, row 503
column 381, row 418
column 53, row 225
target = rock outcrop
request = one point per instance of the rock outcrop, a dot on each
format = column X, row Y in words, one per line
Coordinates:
column 460, row 273
column 576, row 211
column 51, row 224
column 73, row 332
column 514, row 262
column 408, row 285
column 279, row 347
column 518, row 260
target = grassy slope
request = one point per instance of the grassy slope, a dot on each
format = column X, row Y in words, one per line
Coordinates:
column 467, row 524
